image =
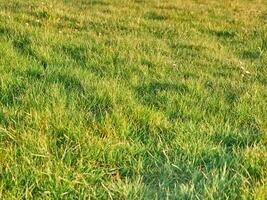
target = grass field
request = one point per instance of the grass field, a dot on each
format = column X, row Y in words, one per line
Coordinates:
column 139, row 99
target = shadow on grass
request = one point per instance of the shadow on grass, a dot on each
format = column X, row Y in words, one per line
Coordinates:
column 96, row 2
column 90, row 101
column 97, row 105
column 41, row 14
column 149, row 94
column 186, row 46
column 5, row 31
column 238, row 138
column 155, row 87
column 249, row 54
column 22, row 44
column 185, row 168
column 155, row 16
column 69, row 82
column 78, row 54
column 90, row 3
column 185, row 50
column 224, row 34
column 11, row 94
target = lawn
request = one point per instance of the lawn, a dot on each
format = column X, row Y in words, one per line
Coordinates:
column 133, row 99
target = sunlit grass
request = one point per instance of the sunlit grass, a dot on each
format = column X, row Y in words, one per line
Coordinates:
column 133, row 99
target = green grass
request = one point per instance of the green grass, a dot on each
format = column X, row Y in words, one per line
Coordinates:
column 139, row 99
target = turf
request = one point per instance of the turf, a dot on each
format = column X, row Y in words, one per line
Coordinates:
column 144, row 99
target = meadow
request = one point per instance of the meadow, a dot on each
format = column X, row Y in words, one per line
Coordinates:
column 133, row 99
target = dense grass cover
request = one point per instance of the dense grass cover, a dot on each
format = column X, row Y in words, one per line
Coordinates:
column 139, row 99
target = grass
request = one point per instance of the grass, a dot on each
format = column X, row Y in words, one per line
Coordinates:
column 139, row 99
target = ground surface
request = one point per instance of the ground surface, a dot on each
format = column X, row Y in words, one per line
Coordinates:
column 133, row 99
